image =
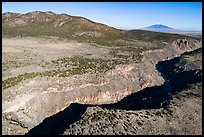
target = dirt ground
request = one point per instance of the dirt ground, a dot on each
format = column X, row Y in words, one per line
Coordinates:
column 21, row 55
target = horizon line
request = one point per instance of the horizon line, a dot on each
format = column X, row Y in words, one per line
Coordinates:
column 117, row 27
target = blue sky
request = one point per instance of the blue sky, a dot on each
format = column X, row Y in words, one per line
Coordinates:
column 128, row 15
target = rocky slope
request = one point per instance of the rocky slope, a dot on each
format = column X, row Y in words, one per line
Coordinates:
column 29, row 103
column 49, row 24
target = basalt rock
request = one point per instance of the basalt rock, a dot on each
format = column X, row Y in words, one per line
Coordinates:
column 184, row 44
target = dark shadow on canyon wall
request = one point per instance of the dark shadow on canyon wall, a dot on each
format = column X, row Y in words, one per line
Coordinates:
column 174, row 72
column 192, row 52
column 54, row 124
column 148, row 98
column 153, row 97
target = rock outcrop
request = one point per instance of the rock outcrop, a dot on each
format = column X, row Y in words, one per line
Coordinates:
column 183, row 44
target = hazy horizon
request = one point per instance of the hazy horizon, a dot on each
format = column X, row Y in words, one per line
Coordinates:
column 122, row 15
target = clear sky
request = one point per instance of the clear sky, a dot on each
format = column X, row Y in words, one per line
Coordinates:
column 128, row 15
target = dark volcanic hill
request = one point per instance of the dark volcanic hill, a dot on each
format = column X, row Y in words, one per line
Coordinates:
column 160, row 28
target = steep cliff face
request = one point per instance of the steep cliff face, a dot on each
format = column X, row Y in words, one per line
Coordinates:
column 41, row 97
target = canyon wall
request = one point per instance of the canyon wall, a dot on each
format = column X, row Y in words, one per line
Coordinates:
column 41, row 97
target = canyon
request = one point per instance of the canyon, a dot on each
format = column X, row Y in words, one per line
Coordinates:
column 41, row 97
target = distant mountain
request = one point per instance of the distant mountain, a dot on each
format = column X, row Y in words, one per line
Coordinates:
column 159, row 28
